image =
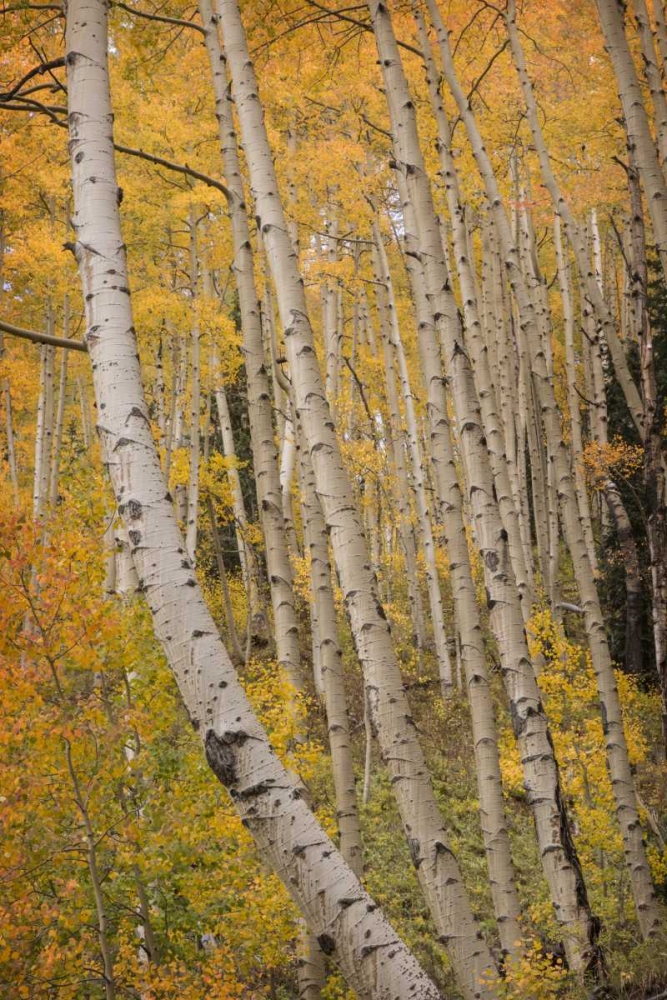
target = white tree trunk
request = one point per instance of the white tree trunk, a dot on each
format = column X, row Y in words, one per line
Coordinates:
column 560, row 862
column 636, row 120
column 394, row 345
column 195, row 399
column 265, row 456
column 331, row 665
column 348, row 924
column 390, row 713
column 573, row 399
column 617, row 753
column 572, row 230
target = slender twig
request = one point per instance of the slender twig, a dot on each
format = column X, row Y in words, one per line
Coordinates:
column 179, row 22
column 35, row 71
column 180, row 168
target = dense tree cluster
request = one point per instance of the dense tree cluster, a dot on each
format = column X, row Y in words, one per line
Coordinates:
column 333, row 530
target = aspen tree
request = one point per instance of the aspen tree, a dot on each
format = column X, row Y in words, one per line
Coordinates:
column 44, row 430
column 237, row 654
column 58, row 432
column 5, row 388
column 537, row 291
column 330, row 297
column 637, row 126
column 660, row 35
column 573, row 232
column 390, row 713
column 563, row 268
column 195, row 400
column 512, row 414
column 339, row 910
column 617, row 752
column 241, row 526
column 331, row 664
column 9, row 431
column 395, row 436
column 485, row 739
column 652, row 75
column 493, row 427
column 613, row 509
column 265, row 456
column 559, row 858
column 654, row 461
column 161, row 392
column 391, row 337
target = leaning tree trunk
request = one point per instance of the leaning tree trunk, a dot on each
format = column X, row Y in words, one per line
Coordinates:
column 331, row 666
column 616, row 746
column 573, row 232
column 347, row 921
column 485, row 739
column 636, row 120
column 661, row 35
column 581, row 490
column 438, row 870
column 391, row 337
column 652, row 75
column 559, row 858
column 483, row 375
column 265, row 455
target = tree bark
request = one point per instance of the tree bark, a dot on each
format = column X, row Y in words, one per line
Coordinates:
column 195, row 400
column 331, row 665
column 636, row 120
column 393, row 345
column 265, row 455
column 617, row 753
column 652, row 75
column 573, row 232
column 573, row 399
column 484, row 382
column 390, row 713
column 348, row 923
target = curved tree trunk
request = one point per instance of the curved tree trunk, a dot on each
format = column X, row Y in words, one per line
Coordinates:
column 338, row 909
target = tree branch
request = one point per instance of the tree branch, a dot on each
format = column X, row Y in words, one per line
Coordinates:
column 35, row 71
column 179, row 168
column 361, row 24
column 179, row 22
column 42, row 338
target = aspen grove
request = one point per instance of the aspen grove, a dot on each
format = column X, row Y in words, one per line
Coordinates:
column 333, row 506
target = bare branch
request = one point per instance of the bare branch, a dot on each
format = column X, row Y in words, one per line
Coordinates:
column 42, row 338
column 35, row 71
column 179, row 22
